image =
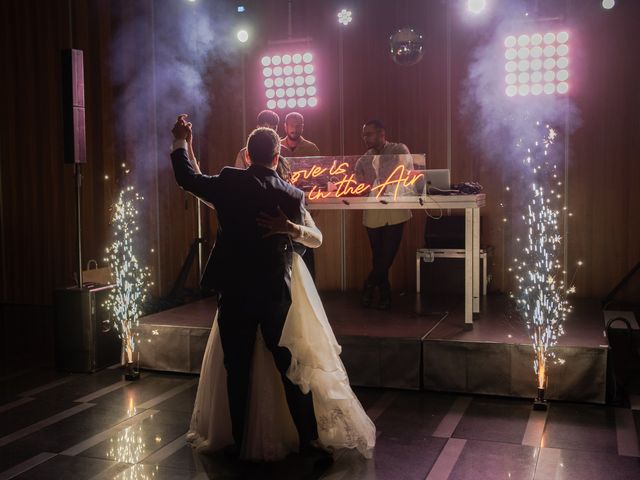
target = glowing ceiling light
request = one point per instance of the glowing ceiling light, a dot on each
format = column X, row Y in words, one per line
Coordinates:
column 312, row 102
column 476, row 6
column 307, row 57
column 266, row 61
column 242, row 36
column 344, row 17
column 608, row 4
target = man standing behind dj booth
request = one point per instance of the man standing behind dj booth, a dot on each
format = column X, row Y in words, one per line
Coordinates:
column 295, row 145
column 384, row 226
column 269, row 119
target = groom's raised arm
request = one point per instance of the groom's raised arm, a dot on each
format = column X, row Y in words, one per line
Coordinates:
column 202, row 186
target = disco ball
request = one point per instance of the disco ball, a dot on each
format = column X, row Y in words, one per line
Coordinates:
column 406, row 46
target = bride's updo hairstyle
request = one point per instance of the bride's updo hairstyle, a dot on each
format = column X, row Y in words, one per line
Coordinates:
column 263, row 145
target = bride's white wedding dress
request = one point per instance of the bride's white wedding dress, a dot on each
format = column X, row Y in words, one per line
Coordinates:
column 315, row 367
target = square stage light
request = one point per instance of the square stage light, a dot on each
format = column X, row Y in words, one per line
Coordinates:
column 537, row 64
column 289, row 80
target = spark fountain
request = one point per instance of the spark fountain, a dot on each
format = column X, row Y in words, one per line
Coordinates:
column 131, row 278
column 541, row 292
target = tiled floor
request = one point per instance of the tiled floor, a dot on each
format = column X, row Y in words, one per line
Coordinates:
column 58, row 426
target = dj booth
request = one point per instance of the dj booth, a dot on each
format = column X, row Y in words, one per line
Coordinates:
column 399, row 181
column 471, row 205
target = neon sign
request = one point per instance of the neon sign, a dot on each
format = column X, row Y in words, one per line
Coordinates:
column 340, row 180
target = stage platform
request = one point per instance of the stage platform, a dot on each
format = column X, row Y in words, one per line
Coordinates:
column 421, row 343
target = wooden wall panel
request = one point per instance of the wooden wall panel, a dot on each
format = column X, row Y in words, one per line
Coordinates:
column 37, row 190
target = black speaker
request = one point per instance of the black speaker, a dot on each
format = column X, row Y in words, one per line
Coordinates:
column 73, row 113
column 85, row 340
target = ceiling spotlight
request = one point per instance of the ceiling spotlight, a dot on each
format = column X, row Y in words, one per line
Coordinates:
column 344, row 17
column 476, row 6
column 240, row 9
column 243, row 36
column 536, row 64
column 608, row 4
column 289, row 79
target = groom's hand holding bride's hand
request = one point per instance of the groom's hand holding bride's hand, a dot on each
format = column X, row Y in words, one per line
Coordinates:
column 279, row 224
column 182, row 129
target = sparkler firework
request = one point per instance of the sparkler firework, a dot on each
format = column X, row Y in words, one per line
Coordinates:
column 131, row 278
column 541, row 291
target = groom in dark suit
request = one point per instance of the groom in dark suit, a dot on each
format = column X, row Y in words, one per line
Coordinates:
column 250, row 271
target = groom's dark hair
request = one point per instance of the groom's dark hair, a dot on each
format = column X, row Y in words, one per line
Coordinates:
column 263, row 145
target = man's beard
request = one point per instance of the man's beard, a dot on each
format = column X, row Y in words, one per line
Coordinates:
column 294, row 136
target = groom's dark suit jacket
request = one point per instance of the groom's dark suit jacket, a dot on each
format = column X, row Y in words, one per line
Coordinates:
column 243, row 260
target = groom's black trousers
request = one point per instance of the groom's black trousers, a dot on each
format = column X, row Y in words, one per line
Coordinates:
column 238, row 319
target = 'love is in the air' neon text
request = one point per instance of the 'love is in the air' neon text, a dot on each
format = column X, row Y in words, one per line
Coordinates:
column 349, row 186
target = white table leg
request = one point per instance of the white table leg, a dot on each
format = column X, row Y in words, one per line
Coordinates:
column 468, row 266
column 484, row 275
column 418, row 260
column 476, row 260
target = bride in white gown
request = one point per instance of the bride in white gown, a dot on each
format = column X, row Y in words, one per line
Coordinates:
column 315, row 366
